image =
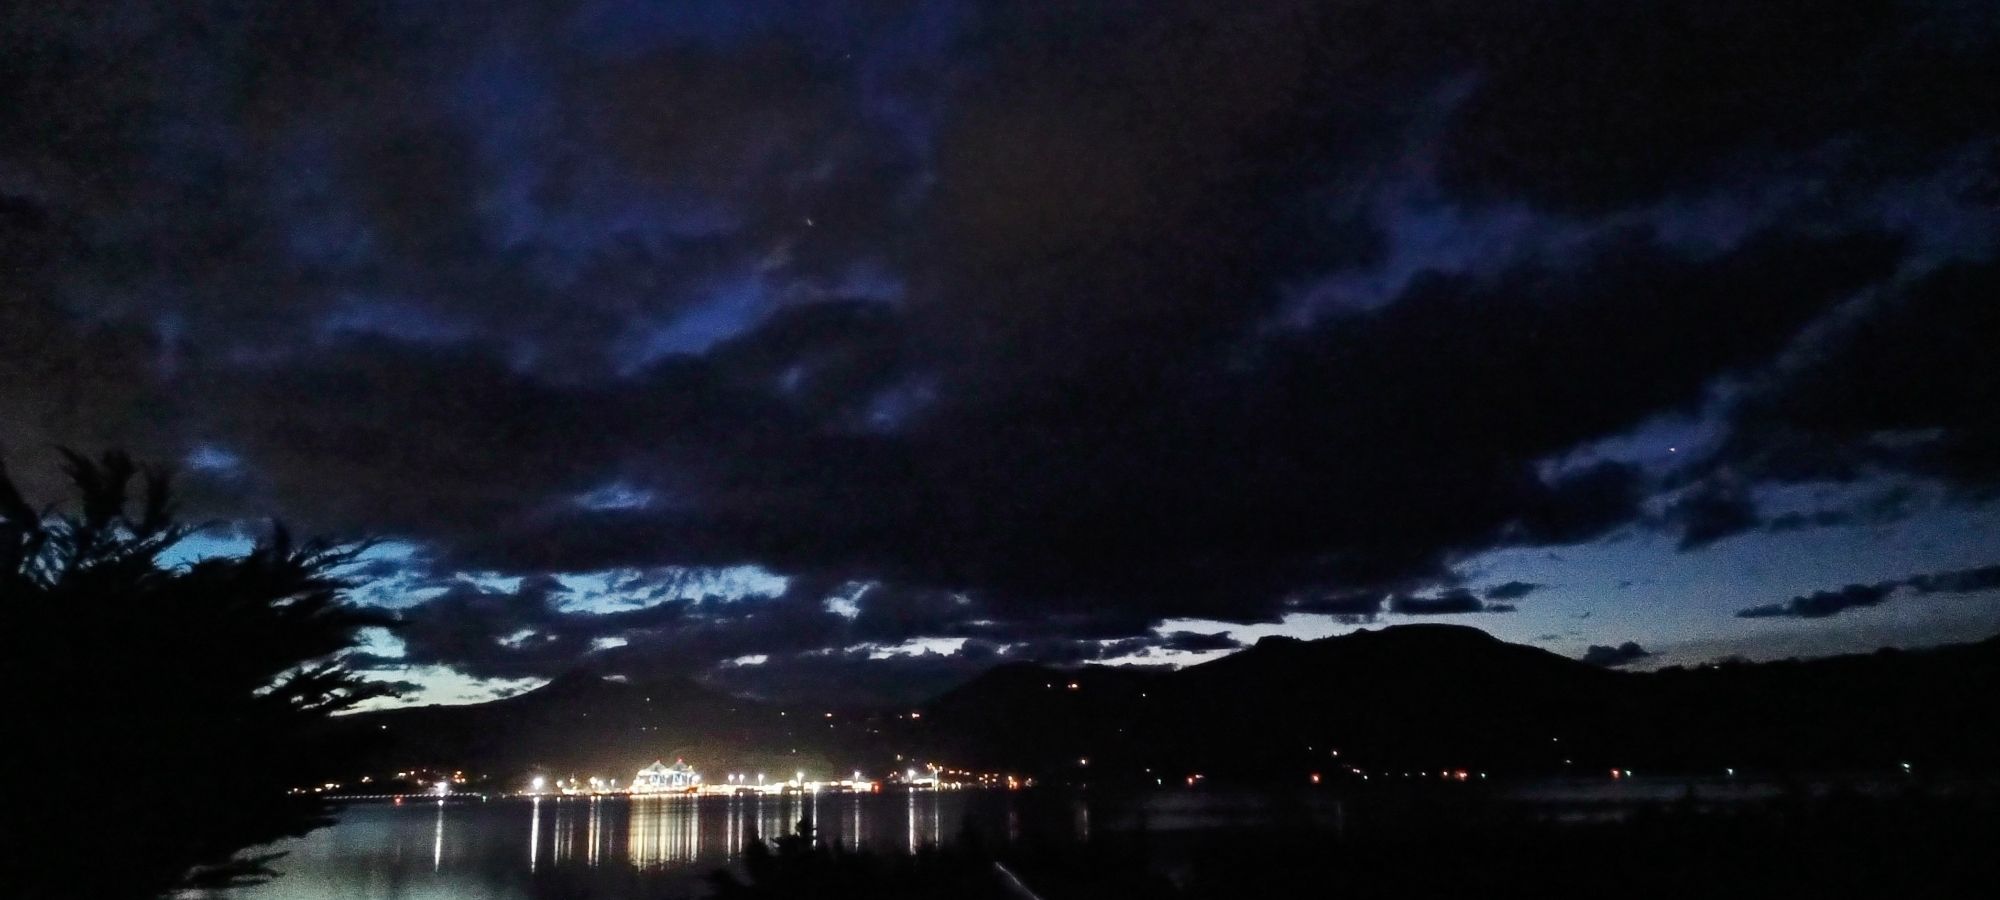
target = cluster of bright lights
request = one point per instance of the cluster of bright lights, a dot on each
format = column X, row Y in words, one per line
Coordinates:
column 682, row 779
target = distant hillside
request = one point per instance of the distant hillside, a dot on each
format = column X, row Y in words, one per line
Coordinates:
column 1430, row 697
column 1037, row 718
column 584, row 724
column 1418, row 697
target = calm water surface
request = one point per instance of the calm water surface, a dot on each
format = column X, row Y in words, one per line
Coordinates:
column 545, row 847
column 518, row 848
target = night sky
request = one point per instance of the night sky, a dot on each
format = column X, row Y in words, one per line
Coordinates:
column 841, row 350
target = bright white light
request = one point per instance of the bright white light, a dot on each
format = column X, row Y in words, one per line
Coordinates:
column 538, row 782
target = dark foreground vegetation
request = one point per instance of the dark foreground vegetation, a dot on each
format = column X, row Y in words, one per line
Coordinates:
column 159, row 713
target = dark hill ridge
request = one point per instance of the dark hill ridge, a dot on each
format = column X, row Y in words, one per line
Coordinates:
column 585, row 724
column 1416, row 697
column 1023, row 716
column 1424, row 696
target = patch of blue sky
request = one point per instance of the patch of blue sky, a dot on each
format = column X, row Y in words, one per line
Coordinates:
column 1161, row 656
column 845, row 605
column 1682, row 606
column 617, row 495
column 731, row 310
column 209, row 542
column 382, row 643
column 617, row 590
column 214, row 459
column 1659, row 444
column 516, row 639
column 916, row 647
column 441, row 685
column 407, row 581
column 489, row 581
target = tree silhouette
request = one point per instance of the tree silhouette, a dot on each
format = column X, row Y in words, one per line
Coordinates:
column 160, row 715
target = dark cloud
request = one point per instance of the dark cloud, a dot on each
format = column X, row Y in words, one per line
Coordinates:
column 845, row 676
column 1905, row 387
column 1880, row 508
column 1711, row 512
column 1586, row 107
column 1963, row 581
column 1353, row 606
column 1019, row 324
column 1197, row 642
column 1512, row 590
column 520, row 633
column 1455, row 601
column 1820, row 604
column 1612, row 657
column 541, row 628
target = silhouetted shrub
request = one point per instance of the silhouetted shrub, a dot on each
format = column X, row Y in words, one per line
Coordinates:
column 159, row 714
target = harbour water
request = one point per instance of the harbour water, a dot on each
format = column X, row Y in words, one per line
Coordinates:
column 514, row 848
column 430, row 849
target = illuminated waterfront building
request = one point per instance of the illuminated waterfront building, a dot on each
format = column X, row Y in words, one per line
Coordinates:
column 662, row 778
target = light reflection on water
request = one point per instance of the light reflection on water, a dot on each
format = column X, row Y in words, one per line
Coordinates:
column 667, row 845
column 464, row 847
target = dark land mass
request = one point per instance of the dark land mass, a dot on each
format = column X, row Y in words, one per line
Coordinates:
column 1419, row 697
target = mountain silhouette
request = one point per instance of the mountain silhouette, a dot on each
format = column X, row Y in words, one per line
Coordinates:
column 1413, row 698
column 584, row 724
